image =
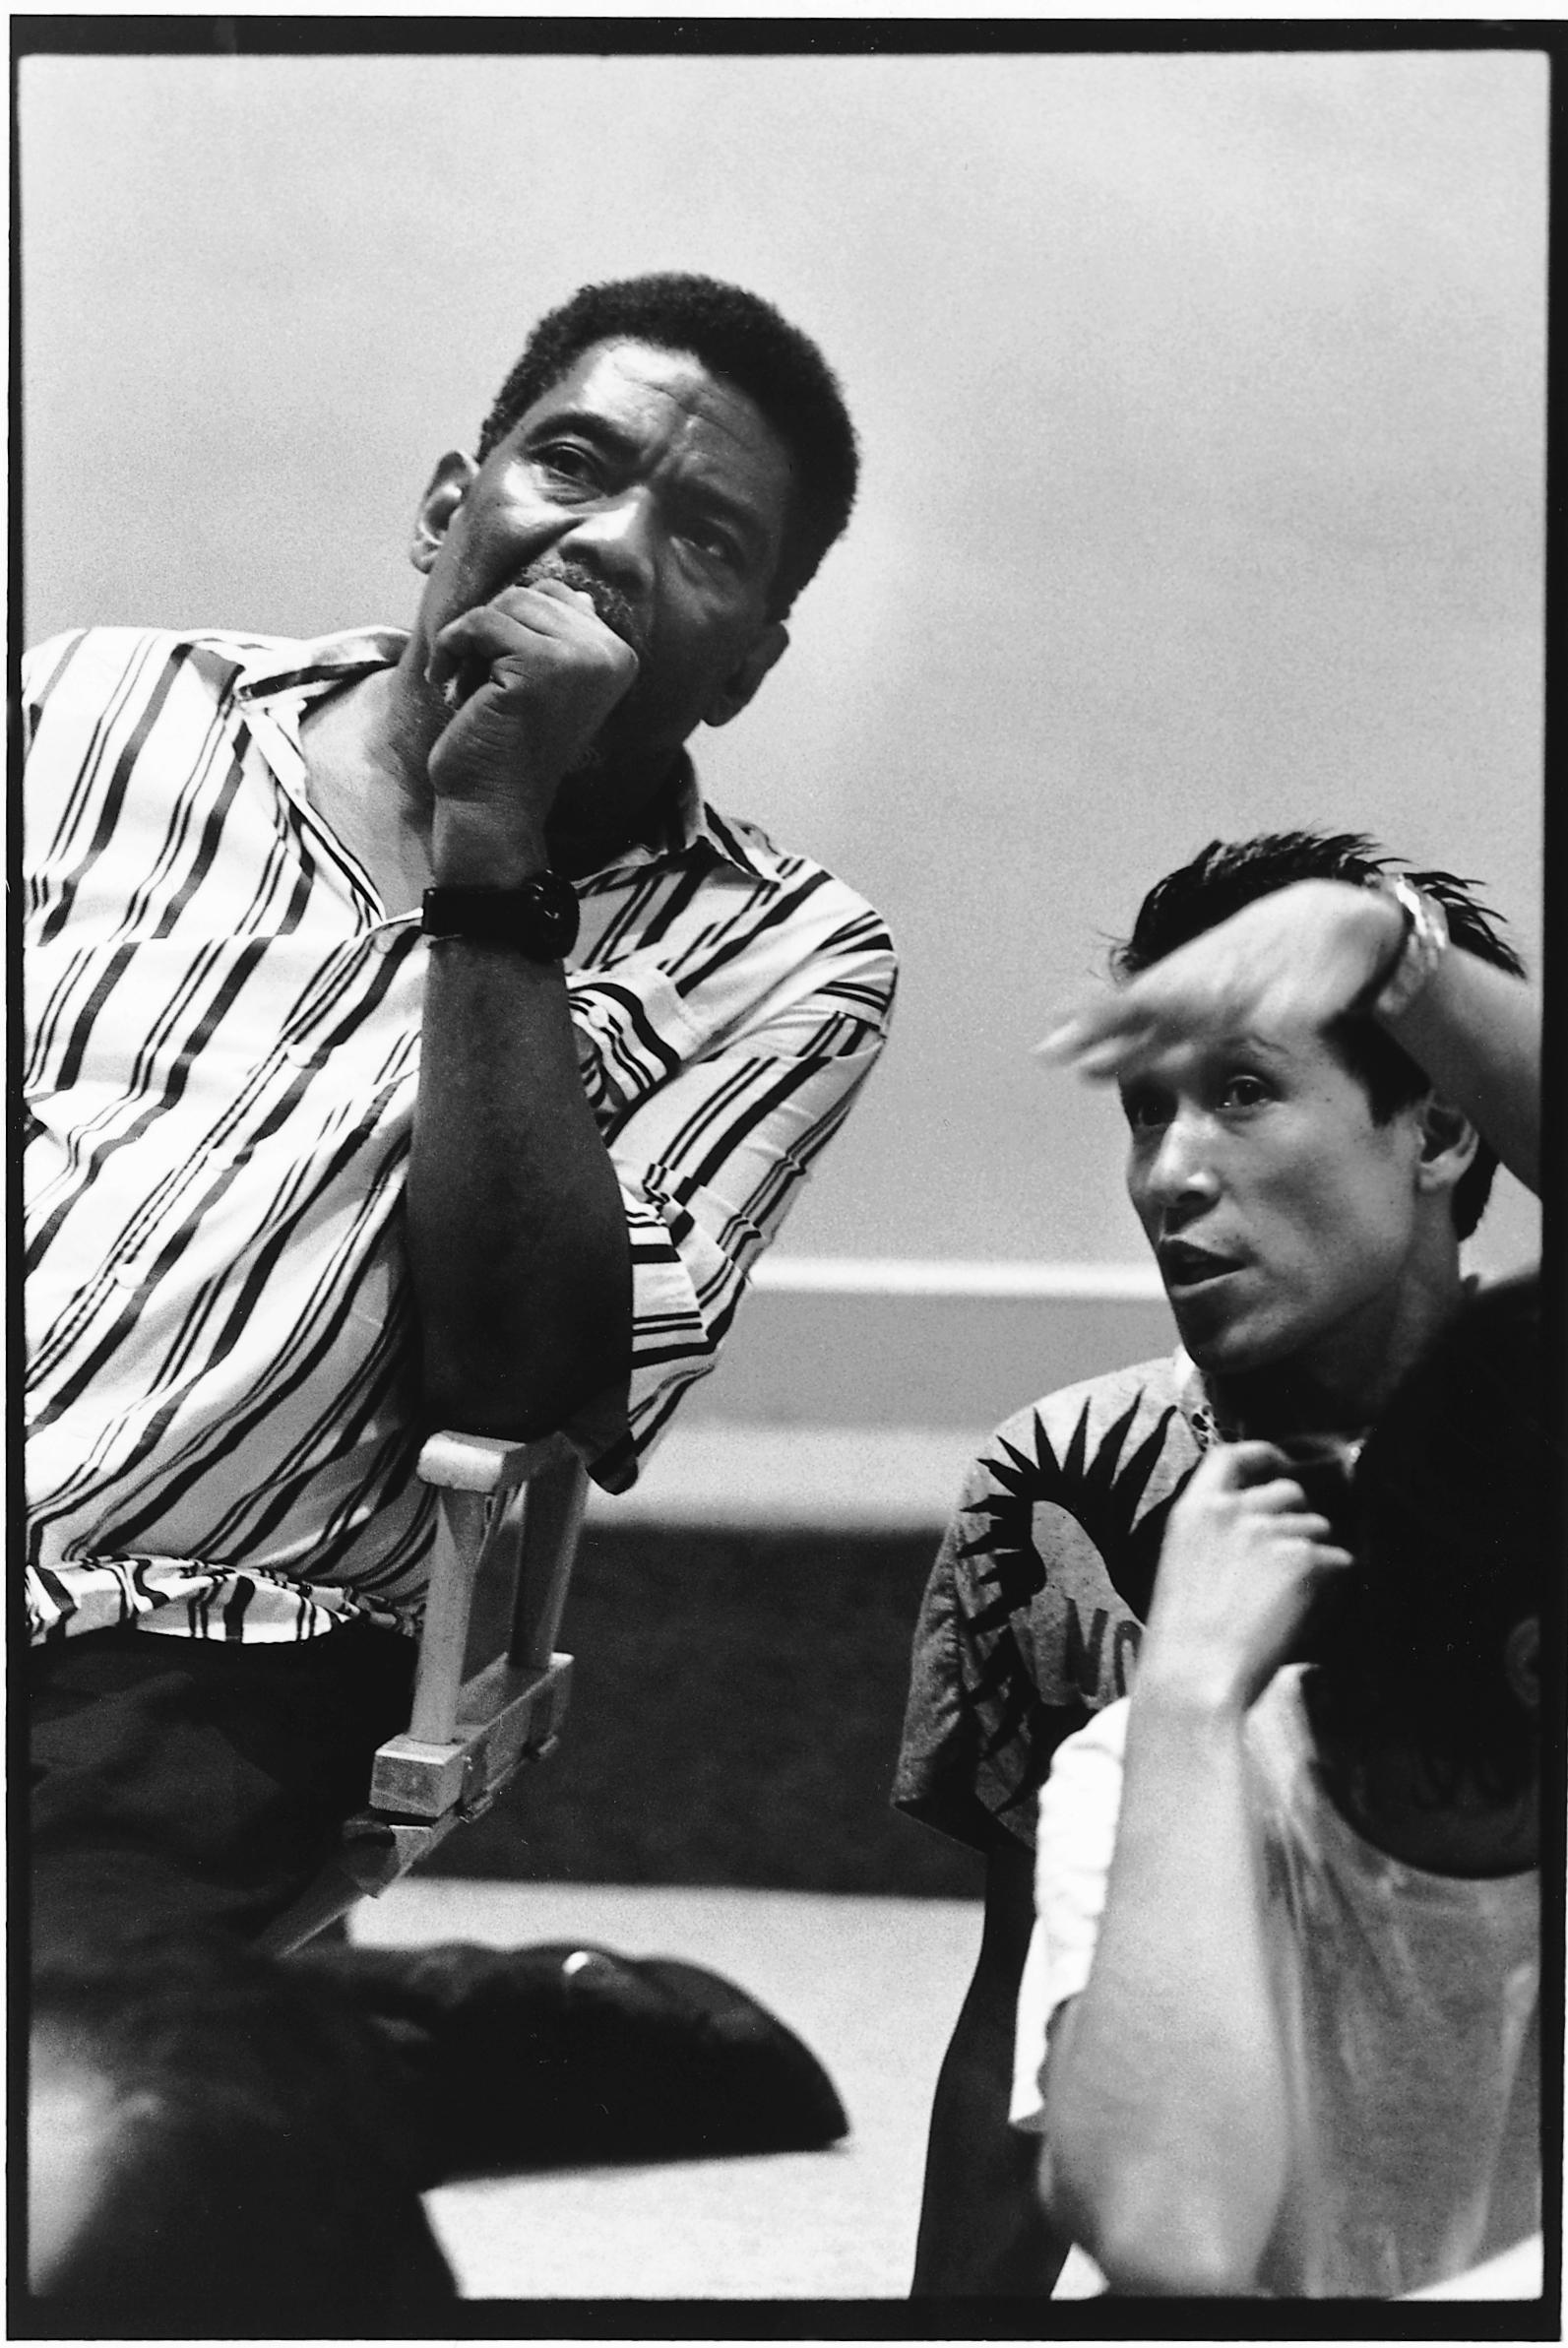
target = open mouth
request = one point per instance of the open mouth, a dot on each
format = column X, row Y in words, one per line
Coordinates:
column 1188, row 1268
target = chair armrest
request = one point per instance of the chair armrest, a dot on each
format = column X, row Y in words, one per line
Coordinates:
column 483, row 1463
column 475, row 1476
column 463, row 1742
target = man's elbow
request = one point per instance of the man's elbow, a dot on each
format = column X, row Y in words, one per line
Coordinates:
column 525, row 1383
column 1151, row 2236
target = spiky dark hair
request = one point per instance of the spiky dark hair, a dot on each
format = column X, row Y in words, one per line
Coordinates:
column 744, row 342
column 1229, row 873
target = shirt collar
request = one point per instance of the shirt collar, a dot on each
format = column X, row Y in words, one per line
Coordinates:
column 319, row 661
column 684, row 822
column 689, row 821
column 1197, row 1405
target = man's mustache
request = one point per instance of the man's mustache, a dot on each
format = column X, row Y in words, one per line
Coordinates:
column 612, row 606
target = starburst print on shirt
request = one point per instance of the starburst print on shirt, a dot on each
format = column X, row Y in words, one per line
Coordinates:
column 1102, row 1492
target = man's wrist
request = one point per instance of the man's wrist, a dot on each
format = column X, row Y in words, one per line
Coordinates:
column 1189, row 1693
column 539, row 917
column 1415, row 948
column 470, row 849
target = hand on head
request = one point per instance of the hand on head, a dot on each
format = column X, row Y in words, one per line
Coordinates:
column 1297, row 958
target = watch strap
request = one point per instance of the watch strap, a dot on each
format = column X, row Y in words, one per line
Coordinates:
column 538, row 918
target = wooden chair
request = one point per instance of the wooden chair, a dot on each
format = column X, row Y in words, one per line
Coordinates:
column 504, row 1506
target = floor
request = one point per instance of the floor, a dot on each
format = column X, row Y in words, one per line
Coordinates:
column 872, row 1985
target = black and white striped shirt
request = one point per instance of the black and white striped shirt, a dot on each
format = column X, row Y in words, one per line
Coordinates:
column 222, row 1043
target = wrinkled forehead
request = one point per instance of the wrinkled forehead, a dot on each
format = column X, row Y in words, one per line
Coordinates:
column 653, row 385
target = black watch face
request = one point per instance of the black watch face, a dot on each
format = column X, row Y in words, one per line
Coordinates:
column 539, row 918
column 554, row 905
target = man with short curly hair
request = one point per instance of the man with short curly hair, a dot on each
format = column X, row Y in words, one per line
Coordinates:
column 411, row 1045
column 1308, row 1045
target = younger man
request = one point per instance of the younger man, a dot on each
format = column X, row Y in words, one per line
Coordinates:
column 1305, row 1189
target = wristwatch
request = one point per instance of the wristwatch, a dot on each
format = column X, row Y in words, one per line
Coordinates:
column 1410, row 962
column 539, row 917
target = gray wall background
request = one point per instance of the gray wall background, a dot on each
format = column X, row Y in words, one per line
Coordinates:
column 1202, row 408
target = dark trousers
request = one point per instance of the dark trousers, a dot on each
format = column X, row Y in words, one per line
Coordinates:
column 194, row 1783
column 198, row 1781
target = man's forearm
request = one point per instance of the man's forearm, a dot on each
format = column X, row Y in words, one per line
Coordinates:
column 981, row 2226
column 1475, row 1030
column 517, row 1232
column 1163, row 2095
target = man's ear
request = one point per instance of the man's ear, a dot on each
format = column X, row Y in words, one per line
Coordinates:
column 1521, row 1661
column 1449, row 1142
column 449, row 485
column 770, row 645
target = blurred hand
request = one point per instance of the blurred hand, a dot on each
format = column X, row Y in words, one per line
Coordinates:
column 552, row 673
column 1299, row 957
column 1243, row 1558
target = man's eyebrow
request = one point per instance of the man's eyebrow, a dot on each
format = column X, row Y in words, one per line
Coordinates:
column 586, row 422
column 1245, row 1043
column 745, row 514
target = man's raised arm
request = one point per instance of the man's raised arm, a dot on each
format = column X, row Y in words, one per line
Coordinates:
column 1311, row 951
column 517, row 1235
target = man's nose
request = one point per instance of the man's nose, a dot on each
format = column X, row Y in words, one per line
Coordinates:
column 615, row 535
column 1181, row 1177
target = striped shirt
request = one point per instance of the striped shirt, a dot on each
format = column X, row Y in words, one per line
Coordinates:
column 222, row 1046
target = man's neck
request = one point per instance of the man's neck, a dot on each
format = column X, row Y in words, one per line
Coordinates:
column 365, row 775
column 1344, row 1384
column 603, row 817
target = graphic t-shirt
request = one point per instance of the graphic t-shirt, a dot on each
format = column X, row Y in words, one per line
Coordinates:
column 1034, row 1607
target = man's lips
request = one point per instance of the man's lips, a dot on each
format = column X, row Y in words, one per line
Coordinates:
column 1182, row 1266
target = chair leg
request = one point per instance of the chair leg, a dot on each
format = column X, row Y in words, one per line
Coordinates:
column 323, row 1903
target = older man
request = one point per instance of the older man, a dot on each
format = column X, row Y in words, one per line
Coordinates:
column 409, row 1044
column 1287, row 1013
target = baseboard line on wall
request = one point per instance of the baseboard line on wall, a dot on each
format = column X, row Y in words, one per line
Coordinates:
column 728, row 1474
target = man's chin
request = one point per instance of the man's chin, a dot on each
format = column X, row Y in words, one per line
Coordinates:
column 1222, row 1346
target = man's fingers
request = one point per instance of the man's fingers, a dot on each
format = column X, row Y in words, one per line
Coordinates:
column 520, row 620
column 1251, row 1462
column 1087, row 1025
column 1131, row 1041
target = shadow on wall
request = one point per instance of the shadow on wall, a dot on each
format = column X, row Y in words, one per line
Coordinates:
column 736, row 1713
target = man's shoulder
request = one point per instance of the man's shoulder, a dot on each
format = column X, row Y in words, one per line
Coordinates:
column 260, row 655
column 82, row 659
column 1071, row 1497
column 1138, row 1398
column 826, row 945
column 790, row 870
